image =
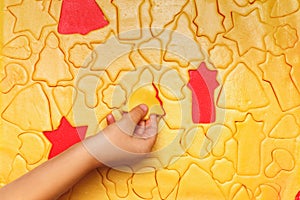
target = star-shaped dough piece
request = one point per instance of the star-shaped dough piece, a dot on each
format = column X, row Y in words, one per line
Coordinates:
column 64, row 137
column 248, row 31
column 209, row 21
column 31, row 16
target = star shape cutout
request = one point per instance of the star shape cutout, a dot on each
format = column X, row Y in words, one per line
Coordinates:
column 248, row 31
column 64, row 137
column 209, row 21
column 275, row 68
column 31, row 16
column 112, row 57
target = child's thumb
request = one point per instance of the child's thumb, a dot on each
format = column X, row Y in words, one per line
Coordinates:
column 138, row 113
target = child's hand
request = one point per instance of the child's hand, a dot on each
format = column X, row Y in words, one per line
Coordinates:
column 131, row 133
column 126, row 141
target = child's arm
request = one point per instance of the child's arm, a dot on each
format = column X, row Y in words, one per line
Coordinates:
column 54, row 177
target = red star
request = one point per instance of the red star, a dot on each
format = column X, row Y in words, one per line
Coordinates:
column 64, row 137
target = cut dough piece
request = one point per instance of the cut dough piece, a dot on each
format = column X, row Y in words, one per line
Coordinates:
column 147, row 95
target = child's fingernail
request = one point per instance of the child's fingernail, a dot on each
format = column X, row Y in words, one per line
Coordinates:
column 144, row 107
column 109, row 116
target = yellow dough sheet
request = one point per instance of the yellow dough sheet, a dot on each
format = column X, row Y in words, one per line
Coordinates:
column 250, row 151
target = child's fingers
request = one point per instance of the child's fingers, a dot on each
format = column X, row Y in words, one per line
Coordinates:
column 150, row 127
column 140, row 129
column 141, row 123
column 110, row 119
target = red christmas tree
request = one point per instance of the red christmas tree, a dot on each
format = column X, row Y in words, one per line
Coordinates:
column 80, row 16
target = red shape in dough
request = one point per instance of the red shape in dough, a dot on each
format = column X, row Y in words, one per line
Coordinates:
column 297, row 196
column 157, row 94
column 64, row 137
column 80, row 16
column 203, row 83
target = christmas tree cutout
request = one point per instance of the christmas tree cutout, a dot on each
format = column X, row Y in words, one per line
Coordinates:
column 80, row 16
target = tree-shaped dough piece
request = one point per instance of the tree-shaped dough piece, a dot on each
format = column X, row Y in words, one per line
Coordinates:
column 51, row 66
